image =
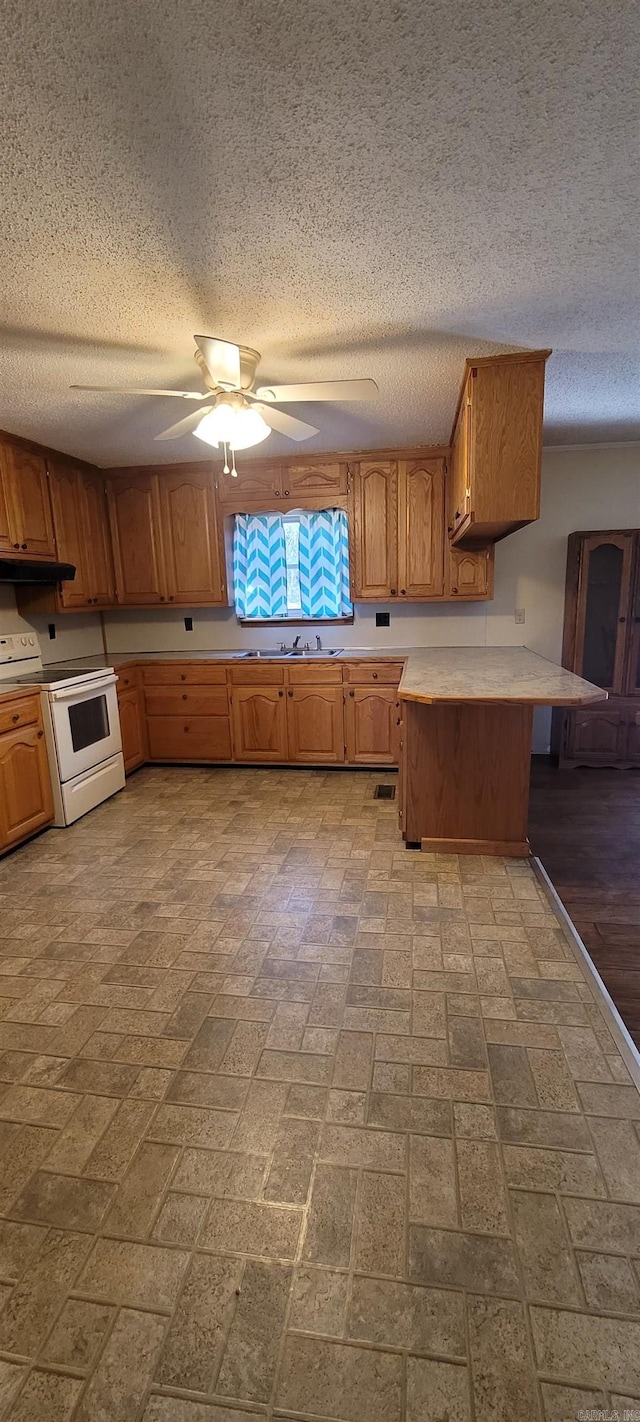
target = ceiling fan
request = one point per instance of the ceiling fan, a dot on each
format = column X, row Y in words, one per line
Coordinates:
column 230, row 412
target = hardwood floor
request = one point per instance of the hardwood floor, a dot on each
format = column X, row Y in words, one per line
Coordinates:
column 585, row 827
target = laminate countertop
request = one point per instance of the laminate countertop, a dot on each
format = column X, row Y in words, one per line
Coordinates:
column 431, row 674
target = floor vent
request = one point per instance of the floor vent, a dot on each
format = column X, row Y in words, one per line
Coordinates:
column 384, row 792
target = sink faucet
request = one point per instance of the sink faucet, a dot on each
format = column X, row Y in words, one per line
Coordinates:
column 318, row 642
column 295, row 641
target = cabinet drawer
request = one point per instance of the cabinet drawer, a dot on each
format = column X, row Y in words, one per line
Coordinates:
column 14, row 714
column 193, row 673
column 257, row 673
column 197, row 701
column 189, row 738
column 386, row 673
column 128, row 678
column 315, row 674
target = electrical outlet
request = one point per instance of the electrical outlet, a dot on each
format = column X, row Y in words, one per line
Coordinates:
column 188, row 624
column 519, row 614
column 52, row 631
column 382, row 619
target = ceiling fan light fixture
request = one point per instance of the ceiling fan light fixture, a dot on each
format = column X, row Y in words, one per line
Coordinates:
column 226, row 424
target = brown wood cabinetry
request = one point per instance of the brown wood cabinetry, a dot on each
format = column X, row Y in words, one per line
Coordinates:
column 81, row 529
column 602, row 643
column 375, row 530
column 268, row 483
column 372, row 719
column 132, row 729
column 166, row 538
column 494, row 482
column 259, row 721
column 187, row 710
column 26, row 802
column 469, row 572
column 315, row 724
column 420, row 528
column 26, row 526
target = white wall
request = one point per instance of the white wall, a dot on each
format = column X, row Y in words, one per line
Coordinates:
column 589, row 487
column 77, row 635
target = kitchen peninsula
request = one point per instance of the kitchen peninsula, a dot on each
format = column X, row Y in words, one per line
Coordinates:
column 467, row 721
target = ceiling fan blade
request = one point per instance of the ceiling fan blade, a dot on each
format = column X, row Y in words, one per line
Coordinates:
column 222, row 360
column 131, row 390
column 320, row 390
column 286, row 424
column 185, row 426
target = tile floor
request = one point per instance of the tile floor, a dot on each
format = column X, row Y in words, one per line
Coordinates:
column 296, row 1123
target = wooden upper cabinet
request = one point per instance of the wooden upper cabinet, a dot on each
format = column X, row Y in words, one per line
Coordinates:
column 316, row 478
column 375, row 555
column 469, row 573
column 72, row 540
column 95, row 518
column 421, row 528
column 26, row 512
column 135, row 517
column 254, row 481
column 193, row 554
column 496, row 450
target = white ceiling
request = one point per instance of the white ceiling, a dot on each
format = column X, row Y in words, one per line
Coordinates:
column 354, row 189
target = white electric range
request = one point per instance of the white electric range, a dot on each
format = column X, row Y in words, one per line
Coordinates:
column 81, row 725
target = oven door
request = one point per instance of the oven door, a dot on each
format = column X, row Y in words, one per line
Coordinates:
column 86, row 725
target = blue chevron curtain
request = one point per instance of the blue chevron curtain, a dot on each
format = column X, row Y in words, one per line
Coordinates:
column 324, row 564
column 259, row 566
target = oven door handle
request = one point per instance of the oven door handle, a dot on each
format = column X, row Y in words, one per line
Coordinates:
column 84, row 691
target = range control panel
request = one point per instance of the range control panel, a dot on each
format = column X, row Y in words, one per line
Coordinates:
column 18, row 646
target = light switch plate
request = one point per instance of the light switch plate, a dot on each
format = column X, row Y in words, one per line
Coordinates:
column 519, row 614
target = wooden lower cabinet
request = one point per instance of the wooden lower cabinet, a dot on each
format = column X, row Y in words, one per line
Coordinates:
column 26, row 802
column 607, row 734
column 372, row 725
column 315, row 724
column 133, row 728
column 259, row 722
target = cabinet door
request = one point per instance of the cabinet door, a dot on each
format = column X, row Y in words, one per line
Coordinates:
column 254, row 482
column 95, row 518
column 459, row 492
column 190, row 538
column 315, row 724
column 469, row 573
column 632, row 748
column 327, row 477
column 596, row 736
column 376, row 530
column 603, row 608
column 632, row 687
column 25, row 788
column 72, row 541
column 27, row 495
column 259, row 721
column 372, row 718
column 6, row 541
column 421, row 528
column 132, row 729
column 134, row 513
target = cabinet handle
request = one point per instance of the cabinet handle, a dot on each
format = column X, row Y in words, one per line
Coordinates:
column 281, row 693
column 40, row 735
column 171, row 597
column 24, row 545
column 393, row 592
column 183, row 676
column 16, row 545
column 184, row 695
column 622, row 619
column 352, row 693
column 403, row 592
column 162, row 598
column 277, row 492
column 186, row 728
column 374, row 676
column 16, row 718
column 290, row 693
column 454, row 590
column 286, row 492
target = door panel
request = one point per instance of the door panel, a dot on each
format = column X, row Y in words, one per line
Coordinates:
column 259, row 720
column 6, row 541
column 25, row 788
column 96, row 524
column 256, row 481
column 376, row 533
column 632, row 749
column 603, row 608
column 596, row 736
column 421, row 528
column 134, row 512
column 190, row 538
column 372, row 725
column 132, row 729
column 632, row 687
column 315, row 724
column 469, row 573
column 322, row 478
column 27, row 495
column 72, row 540
column 202, row 738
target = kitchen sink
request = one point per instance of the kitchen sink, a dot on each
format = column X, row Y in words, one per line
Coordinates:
column 243, row 655
column 296, row 652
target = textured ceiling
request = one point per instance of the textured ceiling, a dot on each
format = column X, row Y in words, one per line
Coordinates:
column 376, row 189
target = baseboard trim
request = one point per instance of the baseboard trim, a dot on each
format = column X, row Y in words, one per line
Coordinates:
column 509, row 849
column 624, row 1041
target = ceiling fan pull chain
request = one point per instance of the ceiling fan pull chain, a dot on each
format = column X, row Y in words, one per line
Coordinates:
column 226, row 469
column 234, row 471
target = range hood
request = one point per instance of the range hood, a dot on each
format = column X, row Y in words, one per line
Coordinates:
column 19, row 570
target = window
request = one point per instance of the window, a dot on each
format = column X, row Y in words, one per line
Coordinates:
column 291, row 566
